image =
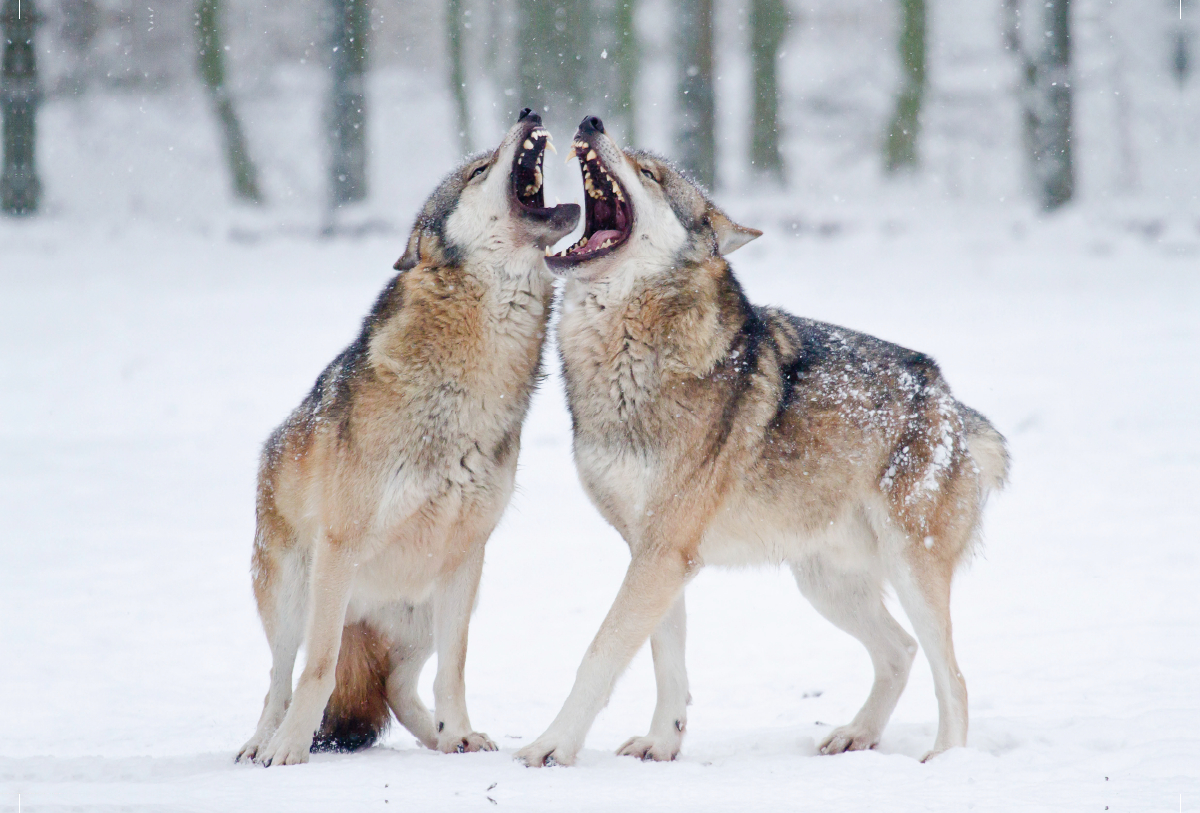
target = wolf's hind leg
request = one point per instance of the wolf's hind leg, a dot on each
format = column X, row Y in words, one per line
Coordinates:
column 922, row 584
column 279, row 588
column 853, row 601
column 408, row 661
column 670, row 673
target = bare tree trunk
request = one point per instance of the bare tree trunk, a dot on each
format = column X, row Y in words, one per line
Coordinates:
column 611, row 62
column 1050, row 109
column 20, row 188
column 627, row 56
column 553, row 40
column 80, row 25
column 696, row 107
column 211, row 58
column 458, row 80
column 347, row 104
column 768, row 26
column 1181, row 56
column 900, row 145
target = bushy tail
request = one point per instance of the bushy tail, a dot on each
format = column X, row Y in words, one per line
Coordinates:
column 987, row 448
column 358, row 710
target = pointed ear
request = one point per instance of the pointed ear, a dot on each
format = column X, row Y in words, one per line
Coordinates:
column 730, row 236
column 412, row 254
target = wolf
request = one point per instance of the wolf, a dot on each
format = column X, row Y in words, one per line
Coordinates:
column 376, row 496
column 710, row 431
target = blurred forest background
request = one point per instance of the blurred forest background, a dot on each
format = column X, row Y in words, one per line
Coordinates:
column 304, row 111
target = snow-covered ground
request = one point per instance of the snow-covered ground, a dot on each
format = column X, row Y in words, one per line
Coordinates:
column 142, row 367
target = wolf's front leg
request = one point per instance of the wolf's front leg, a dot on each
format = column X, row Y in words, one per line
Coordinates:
column 452, row 606
column 652, row 584
column 670, row 674
column 331, row 580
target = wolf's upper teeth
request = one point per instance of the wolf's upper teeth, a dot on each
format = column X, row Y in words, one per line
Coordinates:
column 528, row 144
column 549, row 252
column 591, row 156
column 550, row 145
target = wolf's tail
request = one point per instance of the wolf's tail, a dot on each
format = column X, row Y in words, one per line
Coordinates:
column 357, row 712
column 987, row 448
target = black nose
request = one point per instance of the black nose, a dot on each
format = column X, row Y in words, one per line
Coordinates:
column 592, row 124
column 529, row 114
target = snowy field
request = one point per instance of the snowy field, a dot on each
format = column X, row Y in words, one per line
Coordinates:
column 143, row 367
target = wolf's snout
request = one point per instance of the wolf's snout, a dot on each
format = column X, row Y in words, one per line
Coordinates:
column 528, row 113
column 591, row 124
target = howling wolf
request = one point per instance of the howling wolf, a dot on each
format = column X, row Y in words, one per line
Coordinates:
column 377, row 495
column 712, row 431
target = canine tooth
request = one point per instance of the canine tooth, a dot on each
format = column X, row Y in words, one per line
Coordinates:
column 591, row 156
column 528, row 144
column 550, row 144
column 549, row 253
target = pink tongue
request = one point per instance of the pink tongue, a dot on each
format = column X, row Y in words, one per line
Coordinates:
column 599, row 237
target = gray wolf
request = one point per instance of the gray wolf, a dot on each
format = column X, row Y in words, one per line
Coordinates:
column 710, row 431
column 377, row 495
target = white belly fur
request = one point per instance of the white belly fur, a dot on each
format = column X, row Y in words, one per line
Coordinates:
column 746, row 532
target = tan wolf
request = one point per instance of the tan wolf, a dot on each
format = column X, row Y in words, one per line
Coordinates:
column 712, row 431
column 376, row 496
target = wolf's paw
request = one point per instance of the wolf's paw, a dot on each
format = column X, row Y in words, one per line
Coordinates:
column 249, row 751
column 937, row 751
column 465, row 745
column 545, row 753
column 283, row 750
column 650, row 748
column 849, row 738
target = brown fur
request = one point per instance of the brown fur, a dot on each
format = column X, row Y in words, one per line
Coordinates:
column 377, row 495
column 712, row 431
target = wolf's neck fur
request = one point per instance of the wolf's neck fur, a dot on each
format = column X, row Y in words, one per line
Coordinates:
column 622, row 343
column 482, row 320
column 512, row 279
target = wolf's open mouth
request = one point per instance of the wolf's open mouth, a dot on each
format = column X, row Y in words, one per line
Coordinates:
column 527, row 170
column 608, row 217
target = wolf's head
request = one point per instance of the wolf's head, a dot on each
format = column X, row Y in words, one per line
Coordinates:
column 642, row 214
column 491, row 207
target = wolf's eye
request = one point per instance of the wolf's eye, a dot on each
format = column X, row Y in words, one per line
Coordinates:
column 649, row 175
column 478, row 171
